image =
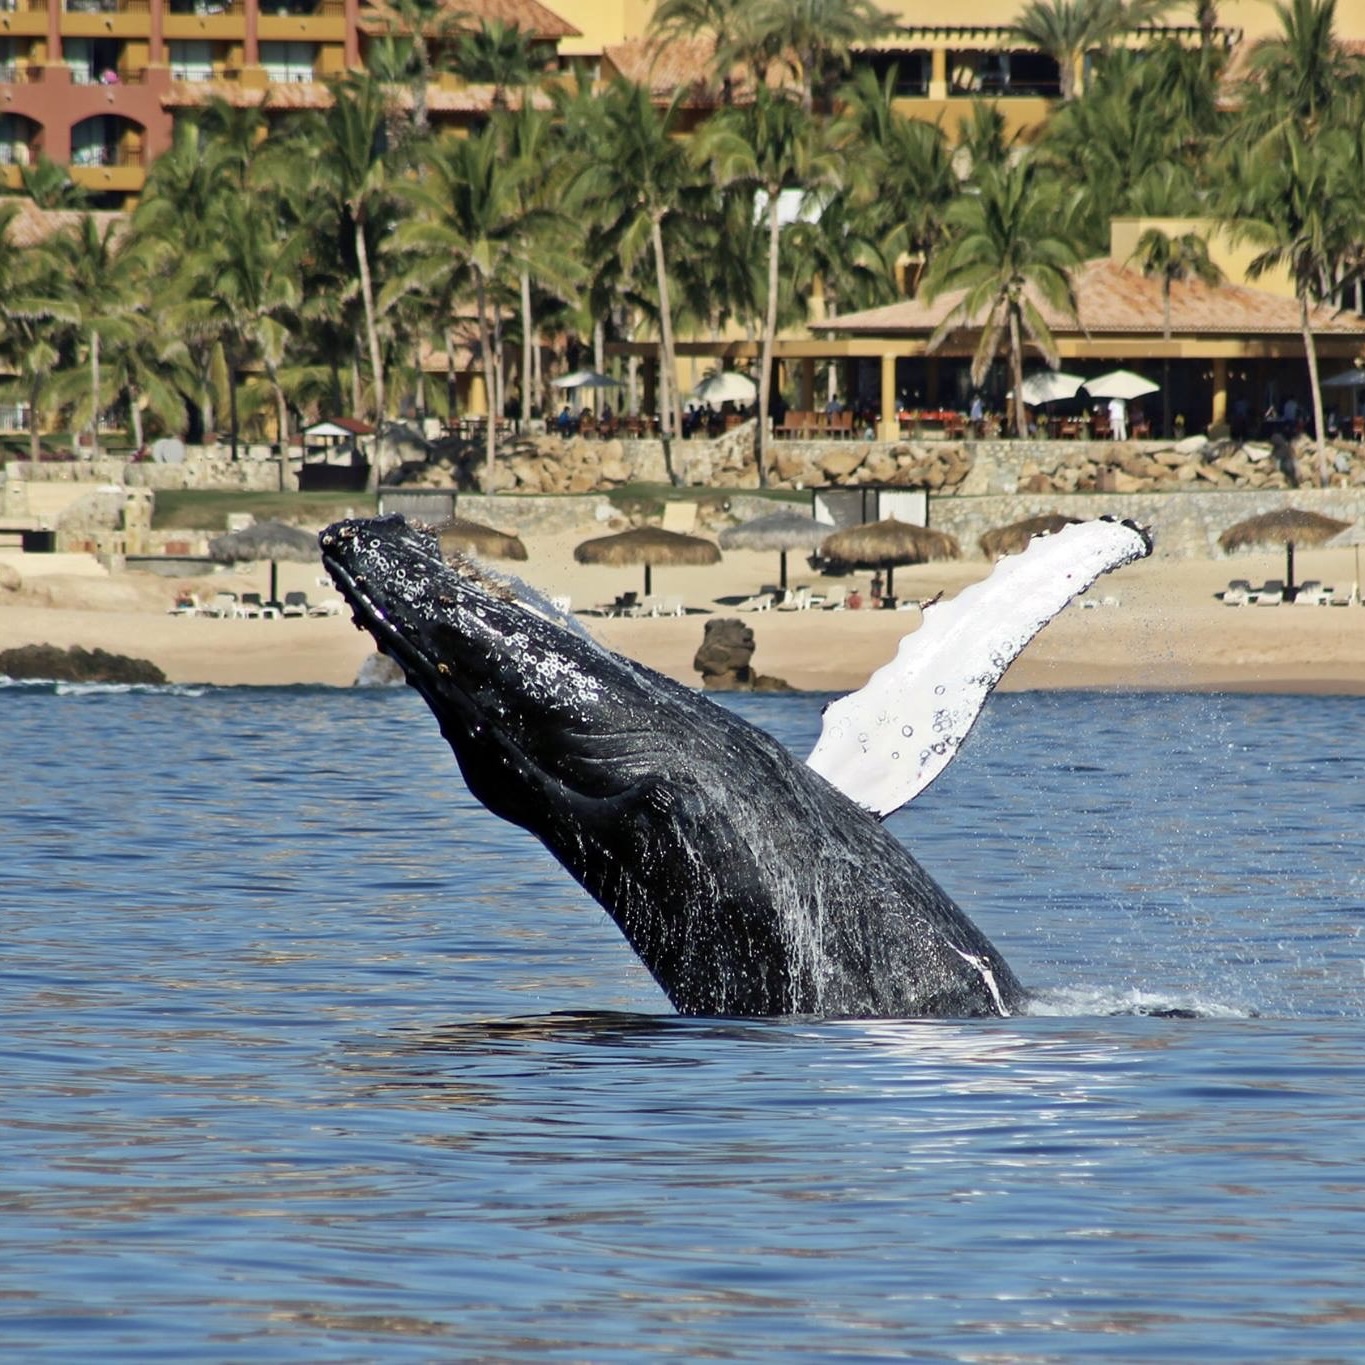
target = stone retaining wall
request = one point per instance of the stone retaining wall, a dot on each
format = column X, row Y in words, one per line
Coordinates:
column 1184, row 524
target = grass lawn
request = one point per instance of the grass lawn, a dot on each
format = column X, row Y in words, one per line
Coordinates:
column 195, row 509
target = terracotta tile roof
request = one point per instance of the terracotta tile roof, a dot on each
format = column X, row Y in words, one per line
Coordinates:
column 530, row 16
column 473, row 99
column 681, row 64
column 664, row 67
column 32, row 225
column 284, row 96
column 1114, row 300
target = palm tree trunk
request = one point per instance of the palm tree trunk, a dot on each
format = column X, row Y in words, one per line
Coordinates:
column 599, row 359
column 673, row 409
column 527, row 390
column 1166, row 359
column 372, row 336
column 765, row 364
column 35, row 448
column 1017, row 373
column 452, row 385
column 135, row 417
column 94, row 394
column 1319, row 429
column 282, row 421
column 486, row 347
column 232, row 405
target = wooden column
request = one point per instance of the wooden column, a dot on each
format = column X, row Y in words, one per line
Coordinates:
column 1219, row 412
column 889, row 427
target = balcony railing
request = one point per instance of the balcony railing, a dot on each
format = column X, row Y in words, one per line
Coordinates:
column 105, row 155
column 207, row 7
column 16, row 154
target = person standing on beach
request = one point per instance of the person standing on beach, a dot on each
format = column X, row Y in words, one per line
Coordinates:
column 1118, row 419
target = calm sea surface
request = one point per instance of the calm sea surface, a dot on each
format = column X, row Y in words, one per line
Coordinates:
column 305, row 1057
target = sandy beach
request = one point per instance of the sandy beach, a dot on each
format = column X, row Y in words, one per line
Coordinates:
column 1162, row 626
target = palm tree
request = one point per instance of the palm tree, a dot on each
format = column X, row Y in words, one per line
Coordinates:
column 820, row 35
column 1068, row 29
column 99, row 264
column 1289, row 194
column 720, row 20
column 1137, row 139
column 500, row 55
column 1008, row 245
column 900, row 170
column 638, row 182
column 405, row 54
column 172, row 227
column 34, row 311
column 465, row 221
column 771, row 145
column 240, row 294
column 339, row 155
column 1290, row 180
column 1301, row 75
column 547, row 249
column 1183, row 257
column 50, row 185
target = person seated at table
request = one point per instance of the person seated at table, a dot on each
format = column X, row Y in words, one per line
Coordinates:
column 565, row 421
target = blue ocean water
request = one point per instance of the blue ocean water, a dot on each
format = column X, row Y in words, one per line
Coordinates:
column 305, row 1057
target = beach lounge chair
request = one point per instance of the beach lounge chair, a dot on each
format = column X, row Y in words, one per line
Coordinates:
column 331, row 607
column 1313, row 594
column 797, row 599
column 252, row 606
column 295, row 604
column 1270, row 594
column 666, row 606
column 1237, row 593
column 222, row 604
column 761, row 601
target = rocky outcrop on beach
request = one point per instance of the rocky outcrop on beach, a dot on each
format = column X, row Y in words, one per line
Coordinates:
column 723, row 660
column 48, row 663
column 378, row 670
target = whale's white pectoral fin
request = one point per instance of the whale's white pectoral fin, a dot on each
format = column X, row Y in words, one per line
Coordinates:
column 885, row 743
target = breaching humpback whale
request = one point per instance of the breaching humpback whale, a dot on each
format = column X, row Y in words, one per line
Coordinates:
column 749, row 883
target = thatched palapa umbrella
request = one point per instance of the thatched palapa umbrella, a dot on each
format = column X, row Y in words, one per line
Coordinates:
column 1289, row 526
column 1014, row 538
column 647, row 545
column 780, row 531
column 461, row 537
column 272, row 540
column 886, row 545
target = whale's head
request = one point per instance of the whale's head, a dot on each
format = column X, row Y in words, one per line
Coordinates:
column 540, row 716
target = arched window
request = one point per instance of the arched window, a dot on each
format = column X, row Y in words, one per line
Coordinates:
column 107, row 140
column 18, row 140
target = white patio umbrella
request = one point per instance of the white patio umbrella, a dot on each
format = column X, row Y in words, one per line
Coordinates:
column 1049, row 386
column 586, row 379
column 1352, row 379
column 725, row 386
column 1120, row 384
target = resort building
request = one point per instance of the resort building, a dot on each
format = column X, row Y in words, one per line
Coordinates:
column 96, row 84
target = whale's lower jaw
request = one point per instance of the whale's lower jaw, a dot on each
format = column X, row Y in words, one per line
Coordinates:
column 746, row 883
